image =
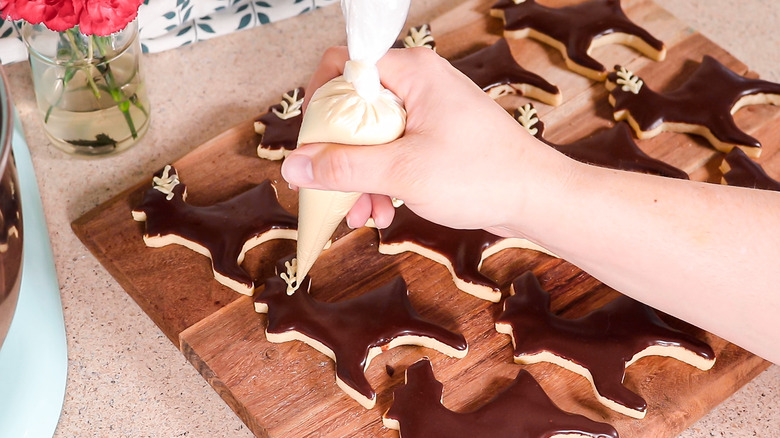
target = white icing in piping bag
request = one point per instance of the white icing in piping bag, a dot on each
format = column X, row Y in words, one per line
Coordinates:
column 351, row 109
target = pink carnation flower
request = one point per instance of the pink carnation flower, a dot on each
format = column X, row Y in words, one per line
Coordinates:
column 94, row 17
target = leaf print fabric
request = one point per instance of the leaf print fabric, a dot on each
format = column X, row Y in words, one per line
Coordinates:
column 167, row 24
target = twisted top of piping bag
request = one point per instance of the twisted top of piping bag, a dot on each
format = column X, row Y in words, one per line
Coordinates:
column 372, row 27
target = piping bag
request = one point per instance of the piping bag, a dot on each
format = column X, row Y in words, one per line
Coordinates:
column 354, row 109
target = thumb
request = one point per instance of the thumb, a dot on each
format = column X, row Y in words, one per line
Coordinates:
column 345, row 168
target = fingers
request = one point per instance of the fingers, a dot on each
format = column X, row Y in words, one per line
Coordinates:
column 360, row 212
column 343, row 168
column 377, row 207
column 382, row 210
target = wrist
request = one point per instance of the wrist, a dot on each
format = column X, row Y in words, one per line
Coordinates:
column 538, row 188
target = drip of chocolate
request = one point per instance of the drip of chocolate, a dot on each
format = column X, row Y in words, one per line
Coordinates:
column 352, row 328
column 523, row 409
column 614, row 148
column 223, row 231
column 707, row 99
column 279, row 127
column 600, row 344
column 462, row 251
column 739, row 170
column 575, row 28
column 494, row 66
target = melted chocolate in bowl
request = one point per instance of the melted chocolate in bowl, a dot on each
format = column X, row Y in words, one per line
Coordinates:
column 10, row 217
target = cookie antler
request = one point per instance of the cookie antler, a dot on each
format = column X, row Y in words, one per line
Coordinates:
column 526, row 116
column 290, row 105
column 166, row 181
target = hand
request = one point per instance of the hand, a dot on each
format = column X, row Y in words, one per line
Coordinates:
column 457, row 164
column 683, row 247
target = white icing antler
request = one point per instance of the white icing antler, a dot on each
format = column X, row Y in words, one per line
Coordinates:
column 166, row 182
column 629, row 81
column 290, row 277
column 527, row 118
column 291, row 106
column 419, row 37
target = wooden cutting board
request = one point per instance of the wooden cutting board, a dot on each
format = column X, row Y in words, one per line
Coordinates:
column 289, row 390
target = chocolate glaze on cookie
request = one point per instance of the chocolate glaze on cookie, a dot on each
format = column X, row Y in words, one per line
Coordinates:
column 576, row 26
column 740, row 170
column 280, row 133
column 464, row 249
column 222, row 229
column 614, row 148
column 600, row 344
column 349, row 329
column 494, row 65
column 522, row 409
column 707, row 99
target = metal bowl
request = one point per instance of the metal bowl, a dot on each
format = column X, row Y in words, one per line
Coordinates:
column 10, row 216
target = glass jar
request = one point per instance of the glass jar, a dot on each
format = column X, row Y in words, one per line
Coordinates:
column 89, row 89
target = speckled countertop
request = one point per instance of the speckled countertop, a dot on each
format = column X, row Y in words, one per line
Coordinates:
column 125, row 379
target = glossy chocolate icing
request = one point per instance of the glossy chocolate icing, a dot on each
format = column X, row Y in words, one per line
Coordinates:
column 745, row 172
column 350, row 328
column 222, row 228
column 574, row 26
column 523, row 409
column 614, row 148
column 705, row 99
column 281, row 133
column 601, row 341
column 463, row 248
column 494, row 65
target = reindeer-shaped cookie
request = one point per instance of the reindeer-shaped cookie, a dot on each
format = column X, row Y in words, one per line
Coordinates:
column 223, row 232
column 598, row 346
column 576, row 30
column 279, row 127
column 703, row 105
column 495, row 70
column 521, row 410
column 460, row 251
column 353, row 331
column 613, row 148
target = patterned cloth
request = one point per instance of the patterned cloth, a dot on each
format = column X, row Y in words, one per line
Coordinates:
column 167, row 24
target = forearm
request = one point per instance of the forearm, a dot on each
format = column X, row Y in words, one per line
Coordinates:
column 702, row 252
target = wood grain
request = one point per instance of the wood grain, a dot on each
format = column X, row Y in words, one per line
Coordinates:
column 286, row 390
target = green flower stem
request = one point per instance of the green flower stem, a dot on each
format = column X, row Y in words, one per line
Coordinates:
column 122, row 101
column 120, row 98
column 77, row 51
